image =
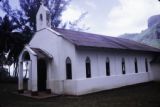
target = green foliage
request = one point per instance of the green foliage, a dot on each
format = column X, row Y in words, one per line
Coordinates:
column 11, row 43
column 56, row 7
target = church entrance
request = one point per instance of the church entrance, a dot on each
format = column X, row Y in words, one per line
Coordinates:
column 42, row 74
column 37, row 65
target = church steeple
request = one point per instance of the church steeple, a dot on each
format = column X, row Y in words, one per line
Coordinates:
column 43, row 18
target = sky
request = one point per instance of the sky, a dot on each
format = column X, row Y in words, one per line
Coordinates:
column 113, row 17
column 110, row 17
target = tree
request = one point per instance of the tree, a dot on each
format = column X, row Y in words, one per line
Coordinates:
column 75, row 24
column 56, row 7
column 11, row 43
column 18, row 26
column 27, row 16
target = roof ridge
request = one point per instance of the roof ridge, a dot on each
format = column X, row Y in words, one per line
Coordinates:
column 102, row 41
column 83, row 32
column 103, row 36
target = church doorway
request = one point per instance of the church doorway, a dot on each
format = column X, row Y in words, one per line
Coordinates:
column 42, row 74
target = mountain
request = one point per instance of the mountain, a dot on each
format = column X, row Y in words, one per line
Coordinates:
column 130, row 36
column 150, row 36
column 153, row 20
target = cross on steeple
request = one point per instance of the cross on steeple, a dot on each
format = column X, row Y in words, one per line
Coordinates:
column 42, row 2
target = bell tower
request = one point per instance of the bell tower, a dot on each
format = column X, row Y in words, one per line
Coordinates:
column 43, row 18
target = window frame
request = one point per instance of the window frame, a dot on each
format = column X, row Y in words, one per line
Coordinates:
column 136, row 65
column 108, row 67
column 41, row 17
column 146, row 64
column 88, row 67
column 68, row 68
column 123, row 66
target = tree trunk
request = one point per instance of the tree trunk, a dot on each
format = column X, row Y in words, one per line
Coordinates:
column 15, row 69
column 9, row 70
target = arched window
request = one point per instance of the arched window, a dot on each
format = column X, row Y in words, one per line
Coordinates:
column 88, row 68
column 146, row 64
column 107, row 67
column 136, row 66
column 123, row 66
column 68, row 68
column 41, row 17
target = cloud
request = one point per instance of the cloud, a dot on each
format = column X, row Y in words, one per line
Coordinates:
column 130, row 16
column 72, row 13
column 113, row 17
column 90, row 4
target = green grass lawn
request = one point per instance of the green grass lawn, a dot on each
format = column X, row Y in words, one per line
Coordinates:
column 142, row 95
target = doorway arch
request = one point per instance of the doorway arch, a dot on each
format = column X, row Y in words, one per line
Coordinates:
column 39, row 70
column 26, row 56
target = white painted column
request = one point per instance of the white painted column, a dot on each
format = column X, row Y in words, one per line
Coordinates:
column 20, row 77
column 34, row 73
column 30, row 75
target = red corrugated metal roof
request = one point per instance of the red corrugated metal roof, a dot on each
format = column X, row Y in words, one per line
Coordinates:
column 101, row 41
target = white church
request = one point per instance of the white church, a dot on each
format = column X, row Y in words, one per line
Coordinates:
column 67, row 62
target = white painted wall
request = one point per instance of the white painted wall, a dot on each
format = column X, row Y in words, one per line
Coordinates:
column 49, row 41
column 99, row 81
column 60, row 49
